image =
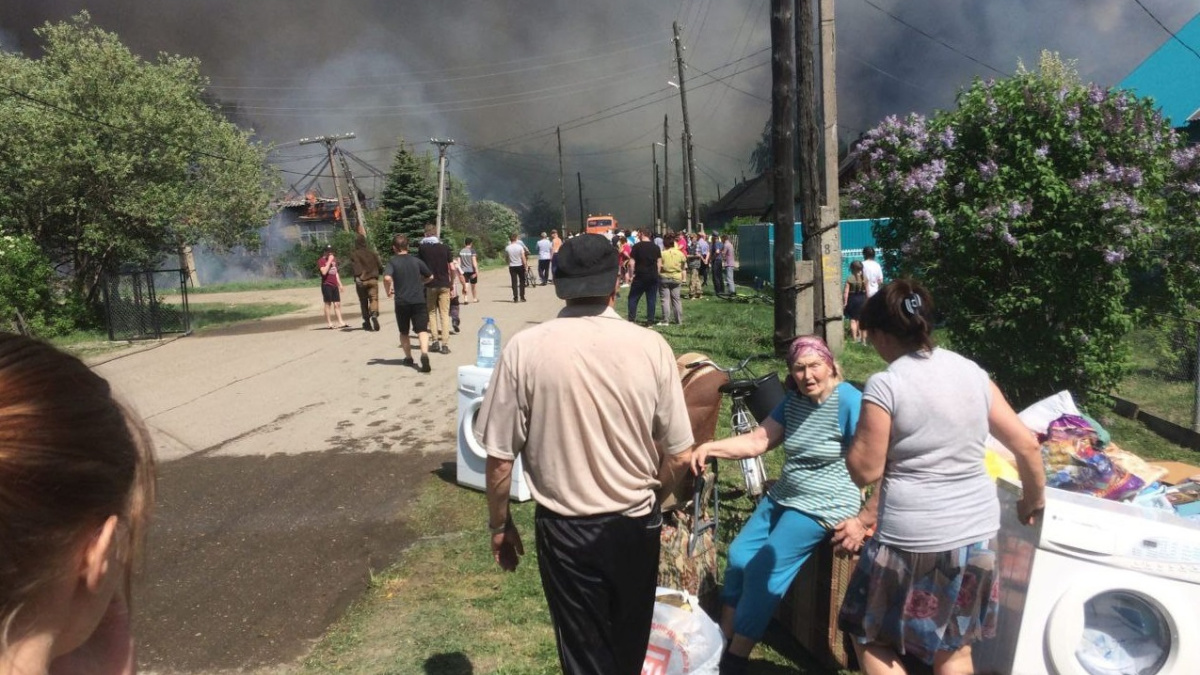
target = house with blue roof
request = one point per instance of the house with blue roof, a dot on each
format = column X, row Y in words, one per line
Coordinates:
column 1171, row 76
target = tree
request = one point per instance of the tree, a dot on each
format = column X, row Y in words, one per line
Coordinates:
column 108, row 160
column 491, row 224
column 409, row 198
column 540, row 216
column 1030, row 211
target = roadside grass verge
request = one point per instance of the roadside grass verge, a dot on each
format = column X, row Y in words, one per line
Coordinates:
column 445, row 608
column 239, row 286
column 1169, row 398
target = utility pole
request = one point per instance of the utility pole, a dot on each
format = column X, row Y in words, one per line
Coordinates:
column 831, row 235
column 441, row 145
column 582, row 217
column 666, row 198
column 654, row 194
column 329, row 142
column 783, row 98
column 360, row 216
column 688, row 152
column 809, row 138
column 562, row 187
column 688, row 186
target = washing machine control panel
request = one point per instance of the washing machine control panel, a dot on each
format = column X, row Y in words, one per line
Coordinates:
column 1166, row 557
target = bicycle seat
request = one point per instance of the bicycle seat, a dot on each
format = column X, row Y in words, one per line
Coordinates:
column 742, row 388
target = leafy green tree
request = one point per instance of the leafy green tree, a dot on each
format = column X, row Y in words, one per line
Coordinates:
column 107, row 160
column 409, row 198
column 540, row 216
column 490, row 224
column 1044, row 215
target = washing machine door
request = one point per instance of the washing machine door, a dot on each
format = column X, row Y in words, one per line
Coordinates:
column 1122, row 622
column 466, row 430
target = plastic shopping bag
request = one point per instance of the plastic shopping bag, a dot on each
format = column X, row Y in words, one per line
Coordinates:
column 683, row 640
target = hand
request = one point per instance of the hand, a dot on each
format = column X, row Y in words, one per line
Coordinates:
column 699, row 455
column 848, row 537
column 1029, row 511
column 107, row 651
column 507, row 548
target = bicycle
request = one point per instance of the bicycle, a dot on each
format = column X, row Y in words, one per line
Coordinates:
column 751, row 399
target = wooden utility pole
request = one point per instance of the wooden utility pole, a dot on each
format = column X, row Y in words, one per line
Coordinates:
column 441, row 145
column 808, row 137
column 666, row 198
column 831, row 235
column 654, row 194
column 329, row 142
column 783, row 98
column 562, row 187
column 582, row 217
column 688, row 186
column 360, row 215
column 689, row 174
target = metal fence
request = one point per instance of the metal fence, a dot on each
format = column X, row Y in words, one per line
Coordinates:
column 134, row 311
column 1165, row 381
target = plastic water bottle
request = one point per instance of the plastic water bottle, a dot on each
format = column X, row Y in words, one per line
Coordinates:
column 488, row 351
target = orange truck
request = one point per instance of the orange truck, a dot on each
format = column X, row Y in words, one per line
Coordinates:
column 601, row 225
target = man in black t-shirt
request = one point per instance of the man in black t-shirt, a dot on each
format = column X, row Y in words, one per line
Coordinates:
column 405, row 278
column 647, row 263
column 437, row 256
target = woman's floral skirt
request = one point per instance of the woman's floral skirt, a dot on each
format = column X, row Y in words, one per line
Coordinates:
column 920, row 603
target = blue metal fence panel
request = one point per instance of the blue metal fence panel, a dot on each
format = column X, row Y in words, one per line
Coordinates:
column 756, row 247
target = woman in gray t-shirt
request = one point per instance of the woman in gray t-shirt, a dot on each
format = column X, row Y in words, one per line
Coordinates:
column 927, row 584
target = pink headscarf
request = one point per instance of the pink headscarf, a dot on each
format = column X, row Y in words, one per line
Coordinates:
column 810, row 344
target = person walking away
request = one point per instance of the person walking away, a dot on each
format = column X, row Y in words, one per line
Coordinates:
column 331, row 287
column 545, row 255
column 555, row 244
column 928, row 583
column 872, row 272
column 718, row 265
column 366, row 266
column 469, row 265
column 458, row 289
column 693, row 261
column 436, row 256
column 813, row 500
column 647, row 263
column 728, row 263
column 555, row 401
column 517, row 261
column 854, row 296
column 674, row 275
column 405, row 277
column 703, row 250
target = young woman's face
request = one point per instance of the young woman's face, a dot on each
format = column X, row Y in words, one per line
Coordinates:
column 812, row 374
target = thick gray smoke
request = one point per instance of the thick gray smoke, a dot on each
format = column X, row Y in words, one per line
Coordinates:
column 499, row 76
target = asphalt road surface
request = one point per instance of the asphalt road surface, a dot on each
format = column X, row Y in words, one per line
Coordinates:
column 288, row 456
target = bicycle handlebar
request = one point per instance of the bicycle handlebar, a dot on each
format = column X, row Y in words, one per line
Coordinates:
column 729, row 371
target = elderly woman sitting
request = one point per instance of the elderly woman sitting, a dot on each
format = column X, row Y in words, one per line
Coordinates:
column 814, row 498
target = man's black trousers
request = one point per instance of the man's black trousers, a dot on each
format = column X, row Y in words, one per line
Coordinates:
column 599, row 574
column 517, row 275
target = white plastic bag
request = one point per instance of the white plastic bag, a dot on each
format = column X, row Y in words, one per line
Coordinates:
column 682, row 642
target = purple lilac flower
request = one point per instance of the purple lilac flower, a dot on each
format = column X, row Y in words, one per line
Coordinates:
column 1073, row 114
column 1183, row 157
column 1096, row 94
column 990, row 212
column 922, row 214
column 948, row 138
column 988, row 169
column 1042, row 152
column 1077, row 139
column 1124, row 230
column 1191, row 188
column 1009, row 239
column 1085, row 181
column 1015, row 210
column 1113, row 257
column 855, row 204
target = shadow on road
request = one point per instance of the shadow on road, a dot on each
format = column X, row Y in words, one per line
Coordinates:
column 389, row 362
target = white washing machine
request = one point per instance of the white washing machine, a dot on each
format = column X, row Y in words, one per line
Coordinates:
column 472, row 458
column 1112, row 589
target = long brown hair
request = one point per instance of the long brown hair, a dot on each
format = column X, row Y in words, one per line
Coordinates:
column 904, row 310
column 70, row 457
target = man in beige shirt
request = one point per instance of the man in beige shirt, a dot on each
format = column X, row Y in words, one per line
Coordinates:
column 598, row 445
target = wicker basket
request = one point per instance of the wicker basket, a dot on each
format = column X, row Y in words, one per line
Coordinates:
column 809, row 611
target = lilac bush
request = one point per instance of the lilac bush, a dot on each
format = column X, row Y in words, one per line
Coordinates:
column 1045, row 215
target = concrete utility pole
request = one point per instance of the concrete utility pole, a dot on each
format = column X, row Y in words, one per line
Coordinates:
column 562, row 187
column 808, row 136
column 329, row 142
column 666, row 198
column 831, row 235
column 783, row 112
column 582, row 217
column 688, row 187
column 654, row 194
column 689, row 177
column 441, row 144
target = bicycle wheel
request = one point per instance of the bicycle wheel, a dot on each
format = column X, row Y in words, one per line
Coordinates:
column 753, row 472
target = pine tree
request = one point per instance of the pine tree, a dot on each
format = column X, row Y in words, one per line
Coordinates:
column 409, row 198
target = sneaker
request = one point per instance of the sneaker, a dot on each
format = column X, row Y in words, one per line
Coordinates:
column 522, row 299
column 367, row 326
column 661, row 323
column 445, row 349
column 425, row 363
column 374, row 322
column 407, row 361
column 435, row 346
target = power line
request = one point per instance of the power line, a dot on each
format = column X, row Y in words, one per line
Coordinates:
column 730, row 86
column 939, row 40
column 1168, row 30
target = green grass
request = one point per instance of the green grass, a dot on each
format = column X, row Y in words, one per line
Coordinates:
column 241, row 286
column 1169, row 398
column 212, row 314
column 445, row 608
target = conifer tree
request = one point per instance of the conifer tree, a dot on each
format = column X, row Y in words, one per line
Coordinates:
column 409, row 198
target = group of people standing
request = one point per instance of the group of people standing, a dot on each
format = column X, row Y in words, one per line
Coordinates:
column 894, row 472
column 659, row 268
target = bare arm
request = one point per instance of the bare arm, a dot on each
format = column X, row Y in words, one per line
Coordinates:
column 1010, row 430
column 766, row 436
column 387, row 285
column 868, row 451
column 506, row 544
column 849, row 534
column 671, row 471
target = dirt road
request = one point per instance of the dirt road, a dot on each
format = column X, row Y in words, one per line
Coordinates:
column 289, row 454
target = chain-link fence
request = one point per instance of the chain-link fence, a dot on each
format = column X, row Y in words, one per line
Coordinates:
column 134, row 310
column 1166, row 370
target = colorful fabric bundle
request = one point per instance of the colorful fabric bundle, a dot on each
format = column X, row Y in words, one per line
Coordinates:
column 1074, row 462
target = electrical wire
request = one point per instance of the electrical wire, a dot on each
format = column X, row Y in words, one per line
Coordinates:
column 1168, row 30
column 939, row 40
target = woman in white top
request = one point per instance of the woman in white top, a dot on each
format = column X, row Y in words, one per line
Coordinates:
column 927, row 584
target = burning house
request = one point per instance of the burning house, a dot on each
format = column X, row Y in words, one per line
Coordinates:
column 308, row 220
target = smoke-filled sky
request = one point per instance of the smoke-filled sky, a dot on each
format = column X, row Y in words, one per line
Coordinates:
column 499, row 76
